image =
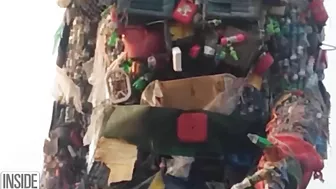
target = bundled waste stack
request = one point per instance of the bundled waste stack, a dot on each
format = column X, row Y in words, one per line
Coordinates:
column 189, row 94
column 65, row 155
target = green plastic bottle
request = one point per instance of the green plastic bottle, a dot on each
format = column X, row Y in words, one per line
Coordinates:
column 259, row 141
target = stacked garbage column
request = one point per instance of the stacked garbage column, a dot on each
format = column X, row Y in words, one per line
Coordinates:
column 64, row 162
column 297, row 134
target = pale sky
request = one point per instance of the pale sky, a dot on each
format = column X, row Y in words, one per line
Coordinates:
column 27, row 74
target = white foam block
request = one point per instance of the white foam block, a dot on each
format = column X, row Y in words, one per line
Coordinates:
column 177, row 59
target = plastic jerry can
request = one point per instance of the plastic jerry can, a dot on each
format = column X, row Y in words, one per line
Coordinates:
column 192, row 127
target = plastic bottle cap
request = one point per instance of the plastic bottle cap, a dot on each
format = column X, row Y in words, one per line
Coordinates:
column 302, row 73
column 240, row 37
column 295, row 77
column 223, row 41
column 151, row 61
column 209, row 50
column 300, row 50
column 293, row 57
column 319, row 115
column 286, row 62
column 253, row 137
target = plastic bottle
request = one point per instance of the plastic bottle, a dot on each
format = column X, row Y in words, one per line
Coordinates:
column 259, row 141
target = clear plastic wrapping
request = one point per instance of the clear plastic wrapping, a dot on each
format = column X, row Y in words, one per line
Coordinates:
column 226, row 101
column 65, row 90
column 97, row 78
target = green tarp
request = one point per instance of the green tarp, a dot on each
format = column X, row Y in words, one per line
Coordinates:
column 154, row 129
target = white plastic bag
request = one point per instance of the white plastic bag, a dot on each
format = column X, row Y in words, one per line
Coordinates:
column 92, row 134
column 180, row 166
column 65, row 89
column 97, row 78
column 151, row 98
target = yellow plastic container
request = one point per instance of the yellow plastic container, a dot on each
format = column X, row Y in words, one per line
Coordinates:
column 180, row 31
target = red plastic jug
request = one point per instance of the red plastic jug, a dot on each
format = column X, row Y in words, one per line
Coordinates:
column 142, row 43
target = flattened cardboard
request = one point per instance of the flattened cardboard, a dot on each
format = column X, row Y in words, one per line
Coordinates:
column 118, row 156
column 186, row 94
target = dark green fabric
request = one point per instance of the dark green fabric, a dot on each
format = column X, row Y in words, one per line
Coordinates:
column 154, row 129
column 294, row 170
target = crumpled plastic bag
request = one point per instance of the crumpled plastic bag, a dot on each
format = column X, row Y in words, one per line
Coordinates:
column 150, row 98
column 92, row 134
column 66, row 90
column 97, row 117
column 226, row 101
column 97, row 78
column 180, row 166
column 100, row 70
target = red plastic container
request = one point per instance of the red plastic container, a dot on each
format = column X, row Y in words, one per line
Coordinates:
column 318, row 11
column 185, row 11
column 264, row 62
column 194, row 51
column 142, row 43
column 192, row 127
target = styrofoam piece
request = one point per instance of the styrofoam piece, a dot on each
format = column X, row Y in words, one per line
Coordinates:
column 177, row 59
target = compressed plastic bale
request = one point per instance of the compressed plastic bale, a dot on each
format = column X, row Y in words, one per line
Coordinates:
column 294, row 119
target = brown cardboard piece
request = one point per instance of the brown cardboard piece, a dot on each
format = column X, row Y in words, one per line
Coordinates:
column 186, row 94
column 118, row 156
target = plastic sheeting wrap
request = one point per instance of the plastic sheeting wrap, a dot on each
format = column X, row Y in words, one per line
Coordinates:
column 97, row 78
column 66, row 91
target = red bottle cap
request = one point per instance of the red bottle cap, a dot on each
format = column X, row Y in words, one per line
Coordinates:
column 240, row 38
column 223, row 41
column 194, row 51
